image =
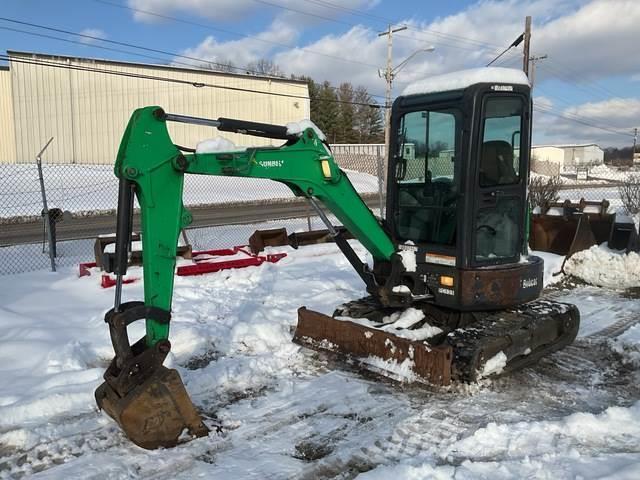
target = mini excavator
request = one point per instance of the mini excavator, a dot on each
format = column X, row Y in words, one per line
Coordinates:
column 453, row 245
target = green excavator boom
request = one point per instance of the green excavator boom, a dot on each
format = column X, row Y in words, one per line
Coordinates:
column 148, row 159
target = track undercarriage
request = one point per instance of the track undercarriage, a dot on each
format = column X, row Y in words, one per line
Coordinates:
column 464, row 346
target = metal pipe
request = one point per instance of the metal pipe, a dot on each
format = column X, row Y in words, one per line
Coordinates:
column 172, row 117
column 244, row 127
column 361, row 268
column 45, row 209
column 332, row 230
column 123, row 235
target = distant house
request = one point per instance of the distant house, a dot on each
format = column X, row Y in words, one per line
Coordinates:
column 636, row 157
column 568, row 155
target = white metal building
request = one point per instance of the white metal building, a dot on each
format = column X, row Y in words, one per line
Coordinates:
column 569, row 155
column 85, row 104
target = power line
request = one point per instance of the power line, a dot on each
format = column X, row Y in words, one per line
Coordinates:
column 131, row 45
column 550, row 112
column 114, row 42
column 230, row 32
column 102, row 47
column 595, row 85
column 589, row 90
column 386, row 21
column 41, row 62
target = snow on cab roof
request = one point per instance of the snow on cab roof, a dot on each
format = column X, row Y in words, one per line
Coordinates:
column 465, row 78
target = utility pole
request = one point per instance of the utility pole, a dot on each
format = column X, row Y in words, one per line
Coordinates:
column 388, row 76
column 635, row 139
column 527, row 43
column 532, row 72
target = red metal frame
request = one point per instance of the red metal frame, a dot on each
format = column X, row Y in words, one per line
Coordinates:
column 199, row 267
column 204, row 266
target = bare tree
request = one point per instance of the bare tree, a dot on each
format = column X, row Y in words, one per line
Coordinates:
column 265, row 67
column 543, row 191
column 219, row 65
column 629, row 191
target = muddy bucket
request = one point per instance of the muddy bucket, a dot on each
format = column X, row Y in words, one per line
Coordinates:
column 157, row 413
column 147, row 400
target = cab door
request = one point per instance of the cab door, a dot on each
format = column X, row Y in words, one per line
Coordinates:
column 502, row 157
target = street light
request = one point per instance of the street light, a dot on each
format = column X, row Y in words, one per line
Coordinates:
column 401, row 65
column 389, row 75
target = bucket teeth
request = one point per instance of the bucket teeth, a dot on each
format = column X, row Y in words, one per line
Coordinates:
column 156, row 413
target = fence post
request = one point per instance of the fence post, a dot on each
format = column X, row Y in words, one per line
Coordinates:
column 45, row 209
column 380, row 170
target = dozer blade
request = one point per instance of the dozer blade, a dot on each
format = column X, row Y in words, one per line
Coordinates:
column 156, row 413
column 471, row 345
column 321, row 332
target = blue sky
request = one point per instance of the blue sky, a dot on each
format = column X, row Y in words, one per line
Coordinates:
column 587, row 90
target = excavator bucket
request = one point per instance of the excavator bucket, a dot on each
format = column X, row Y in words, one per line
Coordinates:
column 157, row 413
column 147, row 399
column 576, row 229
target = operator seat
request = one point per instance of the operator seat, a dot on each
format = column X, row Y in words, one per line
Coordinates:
column 496, row 164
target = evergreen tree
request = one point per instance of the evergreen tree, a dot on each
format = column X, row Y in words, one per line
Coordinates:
column 368, row 120
column 328, row 112
column 346, row 121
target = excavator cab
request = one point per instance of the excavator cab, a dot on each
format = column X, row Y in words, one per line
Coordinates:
column 456, row 193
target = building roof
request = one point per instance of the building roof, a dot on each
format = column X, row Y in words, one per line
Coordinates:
column 465, row 78
column 568, row 145
column 15, row 53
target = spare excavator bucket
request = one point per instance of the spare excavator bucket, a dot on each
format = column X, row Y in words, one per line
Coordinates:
column 157, row 413
column 574, row 230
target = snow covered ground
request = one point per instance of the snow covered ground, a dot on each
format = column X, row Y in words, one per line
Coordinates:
column 286, row 412
column 80, row 188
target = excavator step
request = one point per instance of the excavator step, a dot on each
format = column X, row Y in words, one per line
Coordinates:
column 439, row 346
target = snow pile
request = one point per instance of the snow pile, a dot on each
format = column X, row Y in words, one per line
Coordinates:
column 557, row 449
column 399, row 324
column 408, row 259
column 616, row 426
column 217, row 145
column 552, row 265
column 494, row 365
column 606, row 172
column 402, row 372
column 401, row 289
column 297, row 128
column 628, row 345
column 466, row 78
column 605, row 267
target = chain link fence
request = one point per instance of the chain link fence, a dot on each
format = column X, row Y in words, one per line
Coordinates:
column 82, row 201
column 593, row 183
